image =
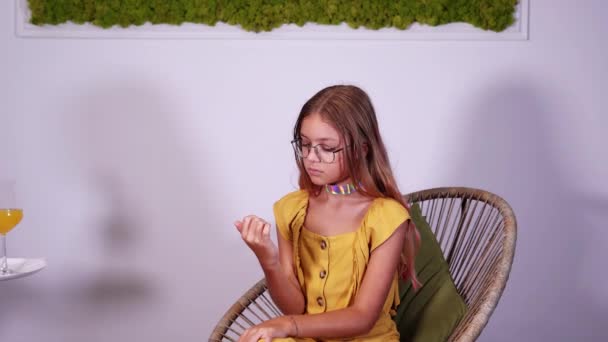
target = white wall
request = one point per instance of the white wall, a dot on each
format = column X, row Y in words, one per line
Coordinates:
column 135, row 156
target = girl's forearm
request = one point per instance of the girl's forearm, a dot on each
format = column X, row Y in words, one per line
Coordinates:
column 343, row 323
column 285, row 292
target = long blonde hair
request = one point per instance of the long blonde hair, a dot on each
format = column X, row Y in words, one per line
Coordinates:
column 349, row 109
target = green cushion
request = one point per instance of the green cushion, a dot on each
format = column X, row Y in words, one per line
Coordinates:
column 431, row 313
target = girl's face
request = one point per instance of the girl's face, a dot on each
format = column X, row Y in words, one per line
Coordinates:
column 323, row 143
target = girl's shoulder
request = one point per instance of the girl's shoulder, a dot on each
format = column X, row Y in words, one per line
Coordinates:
column 287, row 208
column 386, row 205
column 294, row 198
column 384, row 216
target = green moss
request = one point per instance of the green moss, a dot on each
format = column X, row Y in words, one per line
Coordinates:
column 265, row 15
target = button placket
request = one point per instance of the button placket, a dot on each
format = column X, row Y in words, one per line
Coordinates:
column 324, row 263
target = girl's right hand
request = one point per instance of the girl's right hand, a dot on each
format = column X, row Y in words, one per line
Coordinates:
column 256, row 234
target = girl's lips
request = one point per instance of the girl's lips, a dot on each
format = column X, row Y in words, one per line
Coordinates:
column 314, row 172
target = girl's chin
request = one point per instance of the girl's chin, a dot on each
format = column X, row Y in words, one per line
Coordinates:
column 316, row 180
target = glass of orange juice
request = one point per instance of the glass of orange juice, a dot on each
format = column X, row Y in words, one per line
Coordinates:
column 10, row 215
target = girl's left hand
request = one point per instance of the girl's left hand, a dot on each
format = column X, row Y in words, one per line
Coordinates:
column 274, row 328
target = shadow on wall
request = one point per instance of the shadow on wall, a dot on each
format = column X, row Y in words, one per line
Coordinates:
column 556, row 291
column 151, row 206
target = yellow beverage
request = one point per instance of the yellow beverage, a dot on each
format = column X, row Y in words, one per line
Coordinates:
column 9, row 218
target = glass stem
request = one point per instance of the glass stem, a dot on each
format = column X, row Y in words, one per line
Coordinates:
column 4, row 261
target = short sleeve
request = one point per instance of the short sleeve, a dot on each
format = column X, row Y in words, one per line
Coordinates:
column 385, row 217
column 279, row 217
column 286, row 209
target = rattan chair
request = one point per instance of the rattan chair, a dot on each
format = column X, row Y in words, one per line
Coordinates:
column 476, row 231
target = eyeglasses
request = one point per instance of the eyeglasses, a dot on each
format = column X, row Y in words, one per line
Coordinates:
column 325, row 154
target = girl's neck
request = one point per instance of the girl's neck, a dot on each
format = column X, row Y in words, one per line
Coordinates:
column 333, row 193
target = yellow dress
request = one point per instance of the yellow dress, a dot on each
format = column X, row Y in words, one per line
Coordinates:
column 330, row 268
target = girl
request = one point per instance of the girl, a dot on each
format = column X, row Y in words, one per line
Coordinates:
column 343, row 237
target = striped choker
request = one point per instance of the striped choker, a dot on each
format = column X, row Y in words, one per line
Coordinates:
column 345, row 189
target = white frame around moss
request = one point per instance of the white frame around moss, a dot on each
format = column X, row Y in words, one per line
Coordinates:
column 453, row 31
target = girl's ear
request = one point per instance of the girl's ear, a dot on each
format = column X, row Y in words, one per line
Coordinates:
column 365, row 149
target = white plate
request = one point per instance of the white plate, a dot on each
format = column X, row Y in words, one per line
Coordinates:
column 21, row 267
